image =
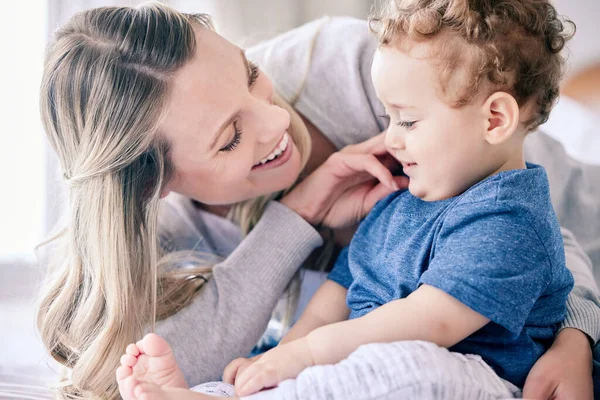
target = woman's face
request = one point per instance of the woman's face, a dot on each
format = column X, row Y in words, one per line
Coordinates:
column 223, row 128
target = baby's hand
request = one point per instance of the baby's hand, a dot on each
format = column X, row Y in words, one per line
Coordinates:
column 236, row 367
column 283, row 362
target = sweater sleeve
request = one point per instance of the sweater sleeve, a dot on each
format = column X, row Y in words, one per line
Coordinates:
column 231, row 311
column 583, row 304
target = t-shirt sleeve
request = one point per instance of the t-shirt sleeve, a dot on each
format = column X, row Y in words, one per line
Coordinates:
column 340, row 273
column 326, row 64
column 492, row 261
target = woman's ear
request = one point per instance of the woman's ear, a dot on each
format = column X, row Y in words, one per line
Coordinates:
column 166, row 189
column 164, row 193
column 502, row 114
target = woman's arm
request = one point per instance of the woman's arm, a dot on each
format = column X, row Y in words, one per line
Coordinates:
column 583, row 305
column 565, row 371
column 231, row 311
column 327, row 306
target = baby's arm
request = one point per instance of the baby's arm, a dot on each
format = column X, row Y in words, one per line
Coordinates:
column 427, row 314
column 327, row 306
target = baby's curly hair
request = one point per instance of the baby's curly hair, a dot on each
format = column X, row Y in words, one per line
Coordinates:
column 514, row 44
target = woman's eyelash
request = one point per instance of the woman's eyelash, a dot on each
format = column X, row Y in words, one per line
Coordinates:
column 236, row 139
column 254, row 72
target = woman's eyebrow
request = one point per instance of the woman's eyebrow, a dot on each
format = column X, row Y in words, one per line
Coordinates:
column 235, row 115
column 247, row 65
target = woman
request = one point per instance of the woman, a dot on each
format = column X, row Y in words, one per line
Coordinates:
column 139, row 103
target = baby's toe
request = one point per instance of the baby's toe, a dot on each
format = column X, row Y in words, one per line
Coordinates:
column 126, row 388
column 133, row 350
column 155, row 345
column 128, row 360
column 123, row 372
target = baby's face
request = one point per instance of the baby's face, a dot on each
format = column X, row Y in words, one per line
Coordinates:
column 442, row 149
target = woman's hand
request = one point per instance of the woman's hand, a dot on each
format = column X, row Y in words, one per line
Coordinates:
column 564, row 372
column 346, row 187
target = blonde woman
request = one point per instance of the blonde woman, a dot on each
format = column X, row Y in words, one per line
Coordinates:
column 148, row 103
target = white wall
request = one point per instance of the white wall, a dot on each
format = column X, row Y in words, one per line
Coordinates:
column 246, row 22
column 585, row 46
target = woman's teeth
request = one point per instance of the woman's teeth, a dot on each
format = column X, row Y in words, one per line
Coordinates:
column 278, row 150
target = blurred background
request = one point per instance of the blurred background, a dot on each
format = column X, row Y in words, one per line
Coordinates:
column 31, row 188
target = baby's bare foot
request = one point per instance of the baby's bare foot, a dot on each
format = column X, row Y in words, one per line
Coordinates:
column 149, row 360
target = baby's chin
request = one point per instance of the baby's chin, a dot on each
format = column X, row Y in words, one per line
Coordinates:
column 426, row 194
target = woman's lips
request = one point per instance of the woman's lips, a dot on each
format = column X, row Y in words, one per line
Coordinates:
column 279, row 160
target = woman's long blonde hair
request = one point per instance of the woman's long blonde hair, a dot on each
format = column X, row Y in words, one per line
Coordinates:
column 104, row 93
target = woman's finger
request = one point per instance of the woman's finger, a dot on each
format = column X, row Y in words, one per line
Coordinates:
column 351, row 164
column 380, row 191
column 374, row 145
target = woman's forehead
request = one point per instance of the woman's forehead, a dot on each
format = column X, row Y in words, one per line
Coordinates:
column 207, row 89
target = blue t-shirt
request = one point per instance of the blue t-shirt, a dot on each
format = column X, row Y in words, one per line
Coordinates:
column 497, row 248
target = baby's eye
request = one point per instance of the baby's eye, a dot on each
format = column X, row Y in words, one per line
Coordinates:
column 406, row 124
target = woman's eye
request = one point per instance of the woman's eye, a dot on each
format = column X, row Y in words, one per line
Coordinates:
column 254, row 72
column 406, row 124
column 235, row 141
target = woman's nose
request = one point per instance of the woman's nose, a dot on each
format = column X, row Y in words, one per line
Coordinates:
column 271, row 122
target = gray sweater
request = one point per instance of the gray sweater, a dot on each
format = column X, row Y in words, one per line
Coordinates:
column 230, row 313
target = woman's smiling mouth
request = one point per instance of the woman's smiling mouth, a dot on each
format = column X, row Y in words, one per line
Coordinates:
column 278, row 156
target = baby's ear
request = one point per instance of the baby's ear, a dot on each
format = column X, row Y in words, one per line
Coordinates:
column 502, row 115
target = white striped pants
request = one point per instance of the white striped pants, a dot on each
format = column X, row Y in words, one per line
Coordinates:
column 412, row 370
